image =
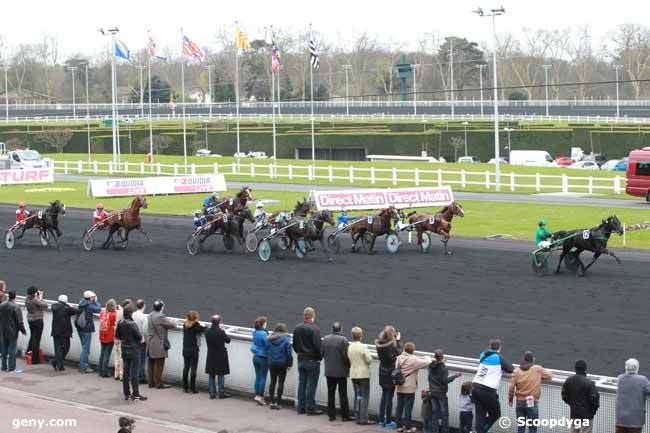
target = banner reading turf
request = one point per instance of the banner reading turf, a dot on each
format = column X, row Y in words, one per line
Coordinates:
column 359, row 199
column 27, row 175
column 157, row 185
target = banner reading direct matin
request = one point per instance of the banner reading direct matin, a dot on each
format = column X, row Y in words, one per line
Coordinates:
column 359, row 199
column 157, row 185
column 26, row 175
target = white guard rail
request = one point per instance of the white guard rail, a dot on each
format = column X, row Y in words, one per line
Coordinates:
column 242, row 378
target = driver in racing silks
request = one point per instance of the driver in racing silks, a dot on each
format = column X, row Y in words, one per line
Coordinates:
column 210, row 204
column 199, row 219
column 22, row 213
column 99, row 215
column 260, row 214
column 344, row 219
column 543, row 235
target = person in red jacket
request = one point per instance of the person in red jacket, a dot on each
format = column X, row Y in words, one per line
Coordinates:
column 21, row 213
column 99, row 215
column 107, row 319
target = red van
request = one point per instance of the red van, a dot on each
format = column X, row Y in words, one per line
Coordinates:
column 638, row 173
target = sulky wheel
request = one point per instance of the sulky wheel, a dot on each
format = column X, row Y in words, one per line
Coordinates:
column 193, row 245
column 251, row 242
column 425, row 246
column 87, row 240
column 264, row 250
column 392, row 243
column 228, row 242
column 333, row 243
column 540, row 262
column 301, row 248
column 10, row 239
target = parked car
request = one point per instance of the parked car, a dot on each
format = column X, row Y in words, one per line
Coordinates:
column 621, row 166
column 585, row 165
column 609, row 165
column 532, row 158
column 259, row 155
column 638, row 173
column 468, row 160
column 240, row 155
column 501, row 161
column 564, row 161
column 203, row 152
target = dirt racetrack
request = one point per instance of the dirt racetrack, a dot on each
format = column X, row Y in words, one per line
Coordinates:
column 457, row 303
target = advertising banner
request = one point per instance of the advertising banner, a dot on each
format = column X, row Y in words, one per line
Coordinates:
column 157, row 185
column 26, row 175
column 360, row 199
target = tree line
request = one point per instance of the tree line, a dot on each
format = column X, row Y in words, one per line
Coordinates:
column 38, row 73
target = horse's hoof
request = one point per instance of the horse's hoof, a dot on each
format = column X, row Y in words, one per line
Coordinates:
column 329, row 259
column 450, row 253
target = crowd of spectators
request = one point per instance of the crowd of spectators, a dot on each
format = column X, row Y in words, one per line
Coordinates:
column 144, row 337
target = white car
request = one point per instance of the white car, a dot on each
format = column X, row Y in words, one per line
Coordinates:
column 203, row 152
column 259, row 155
column 240, row 155
column 585, row 165
column 501, row 161
column 609, row 165
column 468, row 160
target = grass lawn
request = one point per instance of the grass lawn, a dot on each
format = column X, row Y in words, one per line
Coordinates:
column 482, row 218
column 258, row 170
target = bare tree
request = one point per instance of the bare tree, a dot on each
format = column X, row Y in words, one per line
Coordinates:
column 457, row 143
column 56, row 138
column 159, row 143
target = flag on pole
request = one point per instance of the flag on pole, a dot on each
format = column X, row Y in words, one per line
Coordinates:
column 191, row 50
column 242, row 41
column 313, row 51
column 275, row 55
column 121, row 50
column 153, row 50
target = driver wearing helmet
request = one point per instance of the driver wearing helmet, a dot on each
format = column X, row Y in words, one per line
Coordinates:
column 21, row 213
column 344, row 219
column 260, row 214
column 199, row 219
column 210, row 203
column 542, row 235
column 99, row 215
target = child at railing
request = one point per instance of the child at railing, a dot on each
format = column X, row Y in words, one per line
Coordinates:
column 466, row 407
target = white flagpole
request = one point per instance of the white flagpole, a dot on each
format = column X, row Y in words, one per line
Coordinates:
column 183, row 102
column 273, row 106
column 311, row 97
column 112, row 54
column 117, row 115
column 150, row 116
column 279, row 105
column 237, row 87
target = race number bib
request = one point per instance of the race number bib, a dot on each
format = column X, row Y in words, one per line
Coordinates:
column 530, row 401
column 231, row 201
column 369, row 220
column 302, row 224
column 225, row 218
column 40, row 214
column 586, row 234
column 432, row 220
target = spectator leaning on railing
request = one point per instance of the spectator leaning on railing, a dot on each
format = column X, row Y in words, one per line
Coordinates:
column 436, row 402
column 62, row 313
column 140, row 319
column 158, row 344
column 107, row 321
column 216, row 362
column 192, row 330
column 360, row 362
column 280, row 361
column 85, row 324
column 334, row 351
column 117, row 344
column 11, row 322
column 388, row 349
column 129, row 334
column 408, row 364
column 35, row 306
column 259, row 348
column 632, row 391
column 526, row 388
column 580, row 393
column 3, row 291
column 306, row 344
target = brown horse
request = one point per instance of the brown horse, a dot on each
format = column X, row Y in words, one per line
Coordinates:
column 312, row 229
column 237, row 203
column 439, row 223
column 125, row 220
column 374, row 225
column 302, row 209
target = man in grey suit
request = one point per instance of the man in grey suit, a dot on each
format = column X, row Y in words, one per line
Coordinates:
column 334, row 350
column 158, row 344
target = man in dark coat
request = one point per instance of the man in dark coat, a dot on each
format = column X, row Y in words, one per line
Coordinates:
column 436, row 406
column 306, row 344
column 11, row 322
column 334, row 350
column 216, row 363
column 157, row 344
column 62, row 313
column 580, row 393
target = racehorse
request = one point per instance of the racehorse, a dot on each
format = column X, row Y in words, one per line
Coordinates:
column 237, row 203
column 125, row 220
column 312, row 229
column 439, row 223
column 235, row 224
column 376, row 225
column 594, row 240
column 47, row 221
column 302, row 209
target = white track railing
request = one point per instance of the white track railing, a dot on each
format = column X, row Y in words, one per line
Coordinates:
column 357, row 176
column 242, row 378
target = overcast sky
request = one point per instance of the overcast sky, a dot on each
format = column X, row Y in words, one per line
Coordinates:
column 76, row 21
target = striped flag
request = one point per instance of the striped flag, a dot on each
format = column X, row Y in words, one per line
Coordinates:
column 191, row 50
column 242, row 41
column 121, row 50
column 153, row 50
column 275, row 55
column 313, row 51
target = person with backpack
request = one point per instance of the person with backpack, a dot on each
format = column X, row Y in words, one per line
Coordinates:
column 485, row 385
column 280, row 361
column 85, row 324
column 405, row 377
column 107, row 319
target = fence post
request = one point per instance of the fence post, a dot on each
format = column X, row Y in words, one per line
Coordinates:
column 394, row 176
column 271, row 171
column 234, row 168
column 193, row 169
column 330, row 173
column 617, row 185
column 252, row 170
column 142, row 167
column 591, row 185
column 175, row 169
column 126, row 167
column 512, row 181
column 290, row 172
column 215, row 168
column 538, row 182
column 310, row 172
column 159, row 169
column 96, row 166
column 487, row 180
column 65, row 167
column 565, row 184
column 110, row 167
column 440, row 177
column 372, row 175
column 351, row 174
column 462, row 179
column 417, row 176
